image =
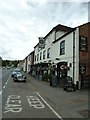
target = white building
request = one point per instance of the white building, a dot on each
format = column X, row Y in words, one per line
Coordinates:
column 66, row 46
column 45, row 55
column 66, row 50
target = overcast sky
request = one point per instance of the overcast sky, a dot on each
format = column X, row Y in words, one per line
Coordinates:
column 23, row 21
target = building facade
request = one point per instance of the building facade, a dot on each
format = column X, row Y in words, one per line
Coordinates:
column 28, row 62
column 66, row 50
column 69, row 47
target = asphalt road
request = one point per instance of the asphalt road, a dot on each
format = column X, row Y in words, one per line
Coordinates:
column 36, row 99
column 24, row 100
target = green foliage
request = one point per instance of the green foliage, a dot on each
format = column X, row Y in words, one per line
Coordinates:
column 10, row 63
column 46, row 77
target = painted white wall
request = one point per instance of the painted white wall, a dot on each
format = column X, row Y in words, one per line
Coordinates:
column 55, row 51
column 59, row 34
column 48, row 44
column 68, row 56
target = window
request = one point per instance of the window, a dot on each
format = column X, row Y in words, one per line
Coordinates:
column 29, row 58
column 37, row 57
column 40, row 55
column 44, row 54
column 48, row 53
column 62, row 47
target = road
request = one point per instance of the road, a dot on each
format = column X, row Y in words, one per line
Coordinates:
column 24, row 100
column 36, row 99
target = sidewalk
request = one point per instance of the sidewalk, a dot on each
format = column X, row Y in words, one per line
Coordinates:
column 67, row 104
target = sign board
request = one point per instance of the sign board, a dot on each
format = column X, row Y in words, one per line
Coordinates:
column 41, row 42
column 54, row 81
column 82, row 68
column 83, row 43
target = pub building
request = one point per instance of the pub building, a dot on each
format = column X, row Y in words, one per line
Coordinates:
column 66, row 50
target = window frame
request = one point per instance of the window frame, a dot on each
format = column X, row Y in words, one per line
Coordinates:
column 62, row 47
column 37, row 57
column 48, row 53
column 44, row 54
column 40, row 55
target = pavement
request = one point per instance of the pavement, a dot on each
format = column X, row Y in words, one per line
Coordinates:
column 68, row 104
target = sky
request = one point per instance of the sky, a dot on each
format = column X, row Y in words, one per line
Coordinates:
column 23, row 21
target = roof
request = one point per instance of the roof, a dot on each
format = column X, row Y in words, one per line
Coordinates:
column 70, row 32
column 84, row 24
column 59, row 27
column 36, row 45
column 32, row 52
column 64, row 35
column 56, row 28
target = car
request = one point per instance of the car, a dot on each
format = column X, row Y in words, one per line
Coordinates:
column 15, row 71
column 19, row 77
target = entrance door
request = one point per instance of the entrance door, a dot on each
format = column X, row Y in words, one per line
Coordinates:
column 59, row 72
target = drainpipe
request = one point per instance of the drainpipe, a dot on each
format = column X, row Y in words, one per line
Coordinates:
column 73, row 55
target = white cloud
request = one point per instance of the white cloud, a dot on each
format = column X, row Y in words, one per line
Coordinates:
column 23, row 21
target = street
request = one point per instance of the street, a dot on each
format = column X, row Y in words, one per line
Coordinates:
column 36, row 99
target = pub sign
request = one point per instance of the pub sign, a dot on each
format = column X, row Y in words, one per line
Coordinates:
column 83, row 43
column 82, row 69
column 41, row 42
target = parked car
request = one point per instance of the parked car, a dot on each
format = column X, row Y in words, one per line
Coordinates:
column 15, row 71
column 19, row 77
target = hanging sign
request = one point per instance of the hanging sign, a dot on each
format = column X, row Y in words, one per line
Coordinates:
column 41, row 42
column 82, row 68
column 83, row 43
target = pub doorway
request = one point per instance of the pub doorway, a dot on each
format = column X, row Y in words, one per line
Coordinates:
column 61, row 74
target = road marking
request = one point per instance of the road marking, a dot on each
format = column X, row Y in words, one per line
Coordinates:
column 49, row 106
column 0, row 92
column 8, row 78
column 13, row 104
column 35, row 102
column 6, row 82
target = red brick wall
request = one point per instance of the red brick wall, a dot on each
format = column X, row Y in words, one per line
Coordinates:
column 32, row 58
column 85, row 56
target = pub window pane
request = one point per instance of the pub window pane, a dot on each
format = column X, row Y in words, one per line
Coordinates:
column 37, row 57
column 44, row 54
column 40, row 55
column 62, row 47
column 48, row 53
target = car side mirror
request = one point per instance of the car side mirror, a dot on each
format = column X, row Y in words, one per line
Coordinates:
column 24, row 76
